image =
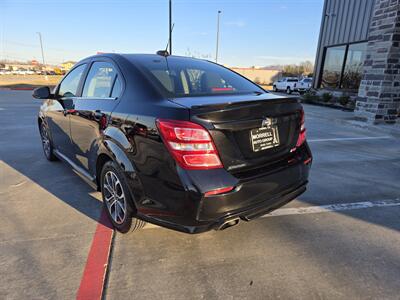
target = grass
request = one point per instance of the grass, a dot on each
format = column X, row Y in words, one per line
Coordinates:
column 28, row 81
column 266, row 87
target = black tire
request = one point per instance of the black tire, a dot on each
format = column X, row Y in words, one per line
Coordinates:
column 274, row 88
column 117, row 188
column 47, row 144
column 288, row 90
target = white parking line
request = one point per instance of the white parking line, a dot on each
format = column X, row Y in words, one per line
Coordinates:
column 332, row 208
column 2, row 108
column 322, row 209
column 350, row 139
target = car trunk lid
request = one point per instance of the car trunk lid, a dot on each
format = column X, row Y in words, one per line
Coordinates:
column 249, row 131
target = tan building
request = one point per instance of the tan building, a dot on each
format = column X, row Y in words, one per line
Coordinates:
column 17, row 66
column 67, row 65
column 260, row 76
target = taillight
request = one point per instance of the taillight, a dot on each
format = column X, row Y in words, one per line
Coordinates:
column 302, row 135
column 190, row 144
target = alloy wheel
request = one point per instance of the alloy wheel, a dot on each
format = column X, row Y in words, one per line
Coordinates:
column 114, row 197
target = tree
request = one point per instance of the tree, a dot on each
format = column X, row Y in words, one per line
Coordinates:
column 304, row 68
column 308, row 67
column 257, row 80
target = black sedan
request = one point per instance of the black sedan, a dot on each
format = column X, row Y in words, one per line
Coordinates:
column 179, row 142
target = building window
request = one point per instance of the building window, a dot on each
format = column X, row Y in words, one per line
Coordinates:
column 354, row 66
column 343, row 65
column 333, row 66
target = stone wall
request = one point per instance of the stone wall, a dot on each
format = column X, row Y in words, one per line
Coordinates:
column 379, row 93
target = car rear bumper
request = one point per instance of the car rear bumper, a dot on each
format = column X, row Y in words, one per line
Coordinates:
column 256, row 210
column 244, row 214
column 187, row 209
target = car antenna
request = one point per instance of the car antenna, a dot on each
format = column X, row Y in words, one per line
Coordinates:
column 165, row 52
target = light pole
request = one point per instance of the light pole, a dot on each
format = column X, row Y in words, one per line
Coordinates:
column 41, row 46
column 216, row 51
column 170, row 27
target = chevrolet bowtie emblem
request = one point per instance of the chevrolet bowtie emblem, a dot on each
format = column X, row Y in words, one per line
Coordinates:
column 267, row 122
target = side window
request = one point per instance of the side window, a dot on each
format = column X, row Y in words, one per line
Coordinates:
column 165, row 78
column 117, row 88
column 69, row 85
column 99, row 81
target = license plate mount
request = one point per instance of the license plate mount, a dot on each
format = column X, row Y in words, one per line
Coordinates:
column 264, row 138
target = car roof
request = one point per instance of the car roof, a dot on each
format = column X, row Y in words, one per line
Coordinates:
column 138, row 57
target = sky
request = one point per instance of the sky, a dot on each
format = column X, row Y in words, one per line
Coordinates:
column 252, row 32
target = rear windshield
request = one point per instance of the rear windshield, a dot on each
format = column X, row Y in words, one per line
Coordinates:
column 184, row 77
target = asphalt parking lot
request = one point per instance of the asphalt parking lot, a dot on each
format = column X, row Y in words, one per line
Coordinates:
column 339, row 240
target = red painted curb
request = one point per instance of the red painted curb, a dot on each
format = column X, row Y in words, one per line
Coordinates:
column 92, row 281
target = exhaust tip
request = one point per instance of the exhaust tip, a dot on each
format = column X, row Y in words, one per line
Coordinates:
column 229, row 223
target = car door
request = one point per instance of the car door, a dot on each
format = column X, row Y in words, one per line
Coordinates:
column 59, row 109
column 93, row 108
column 281, row 84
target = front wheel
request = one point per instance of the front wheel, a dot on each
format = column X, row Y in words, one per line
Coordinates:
column 117, row 200
column 274, row 88
column 288, row 91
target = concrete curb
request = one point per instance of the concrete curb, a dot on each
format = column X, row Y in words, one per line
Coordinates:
column 392, row 129
column 328, row 105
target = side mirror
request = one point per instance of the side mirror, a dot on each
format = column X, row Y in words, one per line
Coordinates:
column 42, row 93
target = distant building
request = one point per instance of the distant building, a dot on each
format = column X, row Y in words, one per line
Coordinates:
column 19, row 66
column 358, row 52
column 258, row 75
column 67, row 65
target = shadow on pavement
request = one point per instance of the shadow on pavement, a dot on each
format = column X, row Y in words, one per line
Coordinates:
column 60, row 180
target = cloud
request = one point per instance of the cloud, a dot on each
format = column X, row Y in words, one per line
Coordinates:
column 238, row 23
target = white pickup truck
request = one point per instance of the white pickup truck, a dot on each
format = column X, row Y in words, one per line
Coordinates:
column 304, row 85
column 288, row 84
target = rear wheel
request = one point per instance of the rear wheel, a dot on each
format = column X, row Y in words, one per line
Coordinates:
column 288, row 90
column 46, row 143
column 117, row 200
column 274, row 88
